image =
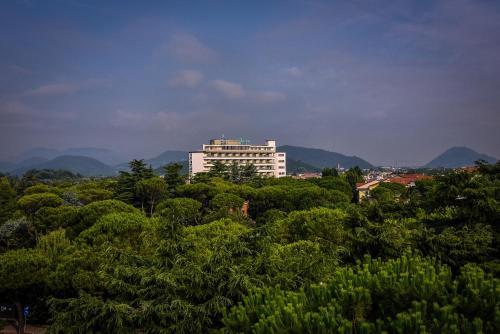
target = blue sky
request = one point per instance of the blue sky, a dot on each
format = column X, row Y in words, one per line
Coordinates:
column 390, row 81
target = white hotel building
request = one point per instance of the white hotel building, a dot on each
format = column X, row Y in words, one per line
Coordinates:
column 267, row 161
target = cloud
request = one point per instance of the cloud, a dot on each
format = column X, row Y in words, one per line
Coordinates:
column 233, row 90
column 294, row 71
column 230, row 90
column 186, row 78
column 269, row 96
column 137, row 120
column 66, row 88
column 20, row 69
column 187, row 48
column 52, row 90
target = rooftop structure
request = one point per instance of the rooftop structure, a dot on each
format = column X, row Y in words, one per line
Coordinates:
column 264, row 157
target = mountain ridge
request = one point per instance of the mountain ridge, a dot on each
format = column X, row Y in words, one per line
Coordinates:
column 85, row 166
column 320, row 158
column 458, row 156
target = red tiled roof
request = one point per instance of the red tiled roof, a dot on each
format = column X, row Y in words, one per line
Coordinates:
column 406, row 179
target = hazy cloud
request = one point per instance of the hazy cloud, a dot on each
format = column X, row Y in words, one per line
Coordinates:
column 186, row 78
column 66, row 88
column 268, row 96
column 294, row 71
column 53, row 89
column 228, row 89
column 187, row 48
column 384, row 80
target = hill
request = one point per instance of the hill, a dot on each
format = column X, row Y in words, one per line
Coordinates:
column 321, row 158
column 6, row 166
column 39, row 152
column 161, row 160
column 102, row 154
column 168, row 157
column 76, row 164
column 297, row 166
column 184, row 170
column 456, row 157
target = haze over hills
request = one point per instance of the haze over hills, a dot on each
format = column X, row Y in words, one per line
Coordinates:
column 299, row 159
column 456, row 157
column 76, row 164
column 161, row 159
column 102, row 154
column 321, row 158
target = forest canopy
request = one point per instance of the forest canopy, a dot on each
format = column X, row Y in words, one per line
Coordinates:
column 144, row 253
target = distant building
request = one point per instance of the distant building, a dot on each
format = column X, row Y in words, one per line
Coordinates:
column 307, row 175
column 408, row 180
column 266, row 160
column 365, row 188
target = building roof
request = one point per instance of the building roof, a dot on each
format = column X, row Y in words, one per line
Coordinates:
column 407, row 179
column 367, row 186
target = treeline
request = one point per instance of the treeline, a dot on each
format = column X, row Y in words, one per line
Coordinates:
column 144, row 253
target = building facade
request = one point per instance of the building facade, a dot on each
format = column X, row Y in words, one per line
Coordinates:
column 266, row 160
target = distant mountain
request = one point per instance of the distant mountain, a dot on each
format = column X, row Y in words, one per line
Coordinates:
column 76, row 164
column 321, row 158
column 6, row 166
column 30, row 162
column 297, row 166
column 161, row 160
column 39, row 152
column 168, row 157
column 456, row 157
column 102, row 154
column 184, row 170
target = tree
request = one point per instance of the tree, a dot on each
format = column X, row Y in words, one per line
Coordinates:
column 218, row 169
column 22, row 273
column 329, row 172
column 30, row 204
column 7, row 200
column 409, row 294
column 151, row 191
column 353, row 176
column 17, row 233
column 127, row 181
column 183, row 211
column 173, row 176
column 89, row 214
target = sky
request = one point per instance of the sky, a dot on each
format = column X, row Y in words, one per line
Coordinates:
column 393, row 82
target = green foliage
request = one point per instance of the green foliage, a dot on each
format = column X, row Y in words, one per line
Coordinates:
column 21, row 268
column 226, row 201
column 299, row 263
column 405, row 295
column 89, row 214
column 322, row 225
column 328, row 172
column 182, row 211
column 48, row 219
column 196, row 265
column 90, row 314
column 294, row 198
column 127, row 181
column 90, row 195
column 173, row 176
column 16, row 233
column 30, row 204
column 334, row 183
column 7, row 200
column 42, row 188
column 150, row 191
